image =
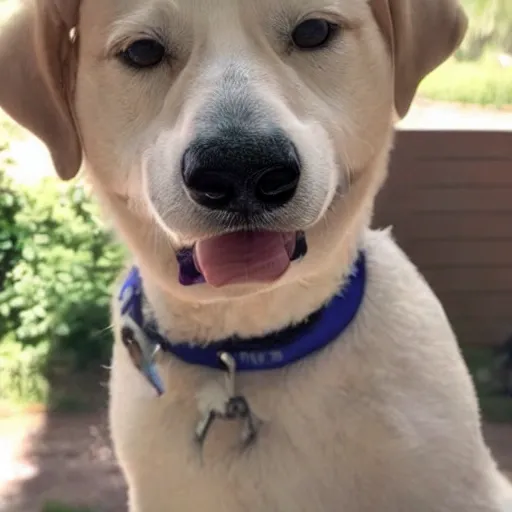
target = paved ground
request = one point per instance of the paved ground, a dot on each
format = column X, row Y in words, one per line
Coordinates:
column 69, row 459
column 431, row 115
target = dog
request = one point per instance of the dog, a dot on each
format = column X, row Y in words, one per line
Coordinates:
column 272, row 352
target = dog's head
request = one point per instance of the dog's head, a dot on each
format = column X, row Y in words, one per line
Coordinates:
column 233, row 136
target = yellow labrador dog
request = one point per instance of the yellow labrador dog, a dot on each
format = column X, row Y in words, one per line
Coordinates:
column 272, row 352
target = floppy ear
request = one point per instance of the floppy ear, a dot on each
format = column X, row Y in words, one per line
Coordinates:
column 421, row 35
column 38, row 63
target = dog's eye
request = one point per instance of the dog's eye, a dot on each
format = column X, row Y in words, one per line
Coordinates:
column 313, row 33
column 144, row 53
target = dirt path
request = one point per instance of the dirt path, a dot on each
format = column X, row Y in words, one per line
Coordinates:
column 69, row 459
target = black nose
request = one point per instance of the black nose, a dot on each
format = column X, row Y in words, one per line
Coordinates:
column 241, row 173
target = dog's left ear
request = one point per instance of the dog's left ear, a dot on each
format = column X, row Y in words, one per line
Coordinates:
column 421, row 34
column 38, row 62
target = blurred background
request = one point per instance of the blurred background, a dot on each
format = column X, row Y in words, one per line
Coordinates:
column 58, row 261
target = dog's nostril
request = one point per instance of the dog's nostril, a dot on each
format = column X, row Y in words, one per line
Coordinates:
column 275, row 181
column 206, row 186
column 277, row 185
column 210, row 190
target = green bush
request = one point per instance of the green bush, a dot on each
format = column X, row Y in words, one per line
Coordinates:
column 9, row 206
column 23, row 373
column 58, row 507
column 57, row 265
column 496, row 407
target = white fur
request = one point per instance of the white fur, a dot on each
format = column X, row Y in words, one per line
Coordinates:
column 384, row 419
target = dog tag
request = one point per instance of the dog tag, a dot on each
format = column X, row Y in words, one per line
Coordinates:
column 238, row 408
column 230, row 364
column 142, row 353
column 203, row 427
column 224, row 403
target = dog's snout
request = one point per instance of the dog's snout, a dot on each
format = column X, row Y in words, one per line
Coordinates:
column 246, row 173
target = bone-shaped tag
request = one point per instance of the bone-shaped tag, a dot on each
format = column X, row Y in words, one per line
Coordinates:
column 222, row 402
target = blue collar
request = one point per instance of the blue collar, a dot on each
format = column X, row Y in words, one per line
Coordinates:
column 269, row 352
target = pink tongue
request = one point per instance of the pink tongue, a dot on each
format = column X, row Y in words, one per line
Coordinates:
column 244, row 257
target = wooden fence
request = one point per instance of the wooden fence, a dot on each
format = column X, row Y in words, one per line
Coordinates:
column 449, row 200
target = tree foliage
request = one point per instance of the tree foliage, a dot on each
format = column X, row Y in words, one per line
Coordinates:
column 490, row 26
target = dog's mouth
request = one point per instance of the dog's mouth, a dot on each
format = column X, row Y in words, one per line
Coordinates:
column 240, row 258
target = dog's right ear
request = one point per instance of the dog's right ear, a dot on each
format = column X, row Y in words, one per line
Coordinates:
column 38, row 59
column 421, row 34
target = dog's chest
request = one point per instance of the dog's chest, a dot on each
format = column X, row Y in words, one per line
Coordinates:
column 309, row 452
column 336, row 435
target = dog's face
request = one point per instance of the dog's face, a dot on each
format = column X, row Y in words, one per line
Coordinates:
column 220, row 118
column 232, row 114
column 243, row 135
